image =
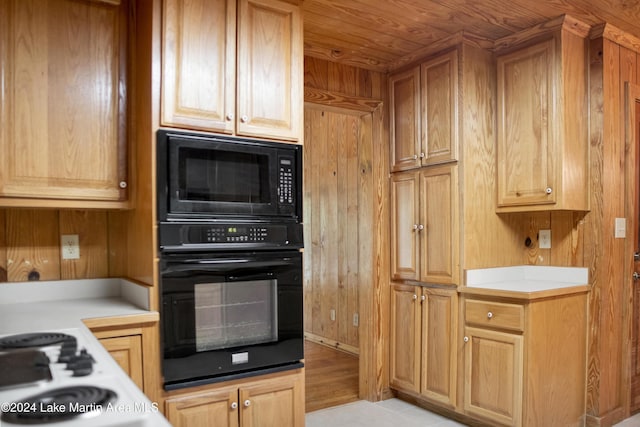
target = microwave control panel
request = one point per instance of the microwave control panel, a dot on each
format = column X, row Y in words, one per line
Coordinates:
column 285, row 181
column 236, row 234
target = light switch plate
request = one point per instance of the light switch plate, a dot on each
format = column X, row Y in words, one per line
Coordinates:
column 621, row 228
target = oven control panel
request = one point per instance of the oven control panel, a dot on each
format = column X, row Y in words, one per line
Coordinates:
column 188, row 236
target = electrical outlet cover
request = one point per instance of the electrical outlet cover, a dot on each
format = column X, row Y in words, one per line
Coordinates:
column 70, row 246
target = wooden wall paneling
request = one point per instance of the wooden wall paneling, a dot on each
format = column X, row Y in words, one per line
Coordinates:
column 33, row 245
column 593, row 221
column 316, row 73
column 3, row 247
column 117, row 243
column 342, row 79
column 603, row 253
column 567, row 238
column 532, row 223
column 91, row 228
column 348, row 216
column 312, row 118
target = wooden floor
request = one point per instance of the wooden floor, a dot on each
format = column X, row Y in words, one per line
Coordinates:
column 331, row 377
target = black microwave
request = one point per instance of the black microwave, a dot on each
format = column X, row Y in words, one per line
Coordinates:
column 215, row 177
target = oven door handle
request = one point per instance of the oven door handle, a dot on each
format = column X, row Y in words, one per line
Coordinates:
column 220, row 265
column 247, row 277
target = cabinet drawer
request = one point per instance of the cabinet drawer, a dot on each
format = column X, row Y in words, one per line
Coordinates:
column 494, row 314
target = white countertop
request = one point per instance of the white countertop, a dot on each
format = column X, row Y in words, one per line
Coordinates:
column 527, row 278
column 59, row 305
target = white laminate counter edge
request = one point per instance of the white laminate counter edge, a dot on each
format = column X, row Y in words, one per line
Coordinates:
column 527, row 278
column 32, row 292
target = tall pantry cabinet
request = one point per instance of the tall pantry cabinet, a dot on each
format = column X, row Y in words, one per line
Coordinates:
column 436, row 107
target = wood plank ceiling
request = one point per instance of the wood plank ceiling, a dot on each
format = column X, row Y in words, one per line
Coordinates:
column 383, row 35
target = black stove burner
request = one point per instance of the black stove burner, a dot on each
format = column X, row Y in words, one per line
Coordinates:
column 60, row 404
column 37, row 339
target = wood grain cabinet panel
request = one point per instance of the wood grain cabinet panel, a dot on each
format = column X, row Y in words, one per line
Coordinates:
column 203, row 89
column 64, row 103
column 424, row 218
column 423, row 358
column 127, row 352
column 424, row 113
column 542, row 154
column 525, row 359
column 273, row 402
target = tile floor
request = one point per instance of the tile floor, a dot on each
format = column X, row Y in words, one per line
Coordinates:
column 387, row 413
column 392, row 413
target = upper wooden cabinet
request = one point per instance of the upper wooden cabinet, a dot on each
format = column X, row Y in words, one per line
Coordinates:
column 233, row 67
column 424, row 113
column 424, row 218
column 543, row 157
column 63, row 109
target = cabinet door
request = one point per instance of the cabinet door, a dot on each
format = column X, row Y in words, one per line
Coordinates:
column 270, row 69
column 404, row 226
column 439, row 244
column 127, row 352
column 493, row 375
column 198, row 74
column 404, row 101
column 439, row 349
column 527, row 126
column 405, row 338
column 273, row 403
column 219, row 408
column 63, row 104
column 439, row 100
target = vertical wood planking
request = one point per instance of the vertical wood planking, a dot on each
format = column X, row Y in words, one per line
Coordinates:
column 33, row 244
column 91, row 228
column 310, row 121
column 3, row 247
column 352, row 175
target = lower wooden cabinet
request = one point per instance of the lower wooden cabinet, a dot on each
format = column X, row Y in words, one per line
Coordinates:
column 423, row 342
column 273, row 401
column 525, row 358
column 127, row 352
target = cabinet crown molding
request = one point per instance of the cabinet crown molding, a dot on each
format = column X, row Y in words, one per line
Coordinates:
column 541, row 31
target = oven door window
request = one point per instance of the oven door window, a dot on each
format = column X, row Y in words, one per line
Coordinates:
column 232, row 314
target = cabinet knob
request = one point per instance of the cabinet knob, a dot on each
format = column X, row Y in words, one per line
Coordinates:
column 423, row 297
column 234, row 405
column 230, row 116
column 415, row 157
column 123, row 184
column 415, row 227
column 466, row 339
column 422, row 155
column 415, row 297
column 636, row 276
column 420, row 227
column 247, row 403
column 489, row 315
column 244, row 119
column 549, row 190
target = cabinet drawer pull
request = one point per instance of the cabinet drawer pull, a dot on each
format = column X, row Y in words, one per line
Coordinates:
column 234, row 405
column 489, row 315
column 247, row 403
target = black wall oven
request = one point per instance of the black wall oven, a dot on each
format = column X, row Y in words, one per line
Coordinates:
column 230, row 232
column 229, row 314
